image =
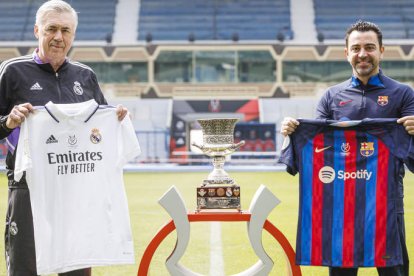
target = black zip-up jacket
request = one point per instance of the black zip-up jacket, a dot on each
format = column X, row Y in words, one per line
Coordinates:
column 24, row 80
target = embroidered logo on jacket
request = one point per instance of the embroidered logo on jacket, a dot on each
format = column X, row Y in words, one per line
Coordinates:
column 342, row 103
column 36, row 86
column 382, row 100
column 77, row 88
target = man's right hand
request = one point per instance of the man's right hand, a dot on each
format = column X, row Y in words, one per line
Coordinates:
column 18, row 114
column 289, row 125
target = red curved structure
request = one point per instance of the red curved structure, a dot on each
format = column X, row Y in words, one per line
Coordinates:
column 217, row 216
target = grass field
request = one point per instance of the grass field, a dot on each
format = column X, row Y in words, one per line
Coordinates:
column 144, row 190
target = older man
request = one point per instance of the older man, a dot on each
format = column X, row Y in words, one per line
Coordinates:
column 45, row 75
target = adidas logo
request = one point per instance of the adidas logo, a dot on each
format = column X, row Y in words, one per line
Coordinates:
column 36, row 86
column 51, row 140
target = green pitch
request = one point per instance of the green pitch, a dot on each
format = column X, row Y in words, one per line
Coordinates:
column 144, row 190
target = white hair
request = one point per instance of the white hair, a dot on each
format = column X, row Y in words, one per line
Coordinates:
column 58, row 6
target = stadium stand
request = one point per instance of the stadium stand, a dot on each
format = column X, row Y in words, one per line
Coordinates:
column 394, row 17
column 214, row 20
column 13, row 16
column 95, row 23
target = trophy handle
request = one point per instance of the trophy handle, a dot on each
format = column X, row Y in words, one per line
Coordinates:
column 201, row 147
column 237, row 146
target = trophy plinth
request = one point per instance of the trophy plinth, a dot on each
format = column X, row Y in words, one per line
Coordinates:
column 219, row 190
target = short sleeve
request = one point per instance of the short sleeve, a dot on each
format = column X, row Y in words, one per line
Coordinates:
column 287, row 156
column 129, row 146
column 23, row 156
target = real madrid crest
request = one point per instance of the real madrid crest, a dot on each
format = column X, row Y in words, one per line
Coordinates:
column 95, row 137
column 367, row 149
column 382, row 100
column 77, row 88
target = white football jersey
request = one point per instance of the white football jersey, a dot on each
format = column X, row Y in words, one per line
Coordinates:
column 73, row 156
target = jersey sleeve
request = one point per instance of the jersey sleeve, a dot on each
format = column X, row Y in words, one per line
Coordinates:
column 129, row 145
column 405, row 148
column 23, row 156
column 287, row 156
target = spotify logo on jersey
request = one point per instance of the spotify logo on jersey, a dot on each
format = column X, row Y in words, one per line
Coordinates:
column 327, row 174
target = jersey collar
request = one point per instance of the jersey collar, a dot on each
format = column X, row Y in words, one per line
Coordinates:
column 75, row 111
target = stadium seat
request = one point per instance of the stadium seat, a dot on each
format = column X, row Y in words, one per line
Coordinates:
column 209, row 20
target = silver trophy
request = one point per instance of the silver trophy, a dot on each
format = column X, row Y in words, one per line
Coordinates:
column 219, row 190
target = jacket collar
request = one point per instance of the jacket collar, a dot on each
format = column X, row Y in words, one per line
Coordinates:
column 373, row 82
column 46, row 66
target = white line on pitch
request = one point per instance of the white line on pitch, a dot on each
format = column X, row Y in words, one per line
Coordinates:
column 216, row 250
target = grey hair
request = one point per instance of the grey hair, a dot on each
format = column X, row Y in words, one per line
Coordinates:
column 58, row 6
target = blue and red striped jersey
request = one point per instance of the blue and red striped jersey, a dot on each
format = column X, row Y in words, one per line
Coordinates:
column 348, row 173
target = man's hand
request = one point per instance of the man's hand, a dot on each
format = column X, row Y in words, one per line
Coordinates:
column 289, row 125
column 408, row 123
column 121, row 112
column 18, row 114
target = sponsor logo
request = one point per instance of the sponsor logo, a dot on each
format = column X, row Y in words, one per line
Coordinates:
column 382, row 100
column 95, row 137
column 367, row 149
column 36, row 86
column 236, row 191
column 327, row 175
column 317, row 150
column 51, row 140
column 77, row 88
column 212, row 192
column 342, row 103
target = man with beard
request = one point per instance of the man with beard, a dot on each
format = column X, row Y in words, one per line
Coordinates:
column 368, row 94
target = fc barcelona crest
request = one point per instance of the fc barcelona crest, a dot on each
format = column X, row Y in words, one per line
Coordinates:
column 382, row 100
column 367, row 149
column 95, row 137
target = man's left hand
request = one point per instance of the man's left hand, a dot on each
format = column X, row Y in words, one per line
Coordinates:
column 121, row 112
column 408, row 123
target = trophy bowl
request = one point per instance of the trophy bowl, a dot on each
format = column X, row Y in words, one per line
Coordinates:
column 219, row 190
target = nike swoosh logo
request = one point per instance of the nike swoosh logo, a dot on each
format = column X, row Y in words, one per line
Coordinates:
column 342, row 103
column 317, row 150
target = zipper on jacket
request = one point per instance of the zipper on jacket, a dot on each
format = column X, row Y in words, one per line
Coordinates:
column 363, row 102
column 58, row 87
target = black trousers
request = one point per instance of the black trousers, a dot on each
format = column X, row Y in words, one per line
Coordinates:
column 19, row 237
column 399, row 270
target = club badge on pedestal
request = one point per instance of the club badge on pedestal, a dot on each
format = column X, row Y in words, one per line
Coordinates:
column 219, row 190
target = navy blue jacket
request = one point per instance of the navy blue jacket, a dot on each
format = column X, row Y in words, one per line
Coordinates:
column 382, row 97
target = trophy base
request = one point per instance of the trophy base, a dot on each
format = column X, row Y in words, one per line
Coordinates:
column 218, row 197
